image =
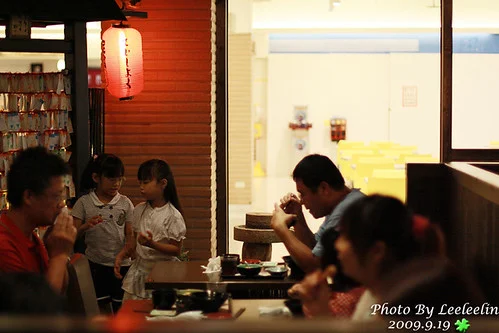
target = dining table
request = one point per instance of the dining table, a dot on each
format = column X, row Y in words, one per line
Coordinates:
column 189, row 275
column 242, row 309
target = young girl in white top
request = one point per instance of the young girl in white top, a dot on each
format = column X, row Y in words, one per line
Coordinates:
column 103, row 218
column 158, row 225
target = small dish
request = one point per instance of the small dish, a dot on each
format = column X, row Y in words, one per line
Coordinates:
column 208, row 302
column 187, row 292
column 266, row 264
column 249, row 269
column 278, row 271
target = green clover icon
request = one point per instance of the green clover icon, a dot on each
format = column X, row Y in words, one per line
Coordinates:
column 462, row 325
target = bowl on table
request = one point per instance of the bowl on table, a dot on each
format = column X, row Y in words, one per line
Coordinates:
column 206, row 301
column 277, row 271
column 186, row 292
column 252, row 261
column 163, row 299
column 267, row 264
column 249, row 269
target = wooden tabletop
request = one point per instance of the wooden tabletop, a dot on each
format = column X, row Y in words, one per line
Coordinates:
column 252, row 307
column 139, row 309
column 189, row 274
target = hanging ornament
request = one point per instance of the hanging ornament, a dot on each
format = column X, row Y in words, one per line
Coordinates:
column 122, row 61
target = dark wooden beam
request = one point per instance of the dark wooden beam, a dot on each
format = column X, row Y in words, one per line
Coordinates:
column 221, row 127
column 59, row 10
column 132, row 13
column 475, row 155
column 446, row 81
column 76, row 63
column 35, row 45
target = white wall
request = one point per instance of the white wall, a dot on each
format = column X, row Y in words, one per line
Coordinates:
column 475, row 106
column 259, row 106
column 371, row 14
column 420, row 125
column 352, row 86
column 364, row 87
column 240, row 16
column 474, row 102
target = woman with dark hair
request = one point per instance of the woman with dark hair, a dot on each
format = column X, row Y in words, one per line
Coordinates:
column 430, row 287
column 341, row 296
column 377, row 235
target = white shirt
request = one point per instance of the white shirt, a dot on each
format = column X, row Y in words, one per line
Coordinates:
column 363, row 309
column 164, row 222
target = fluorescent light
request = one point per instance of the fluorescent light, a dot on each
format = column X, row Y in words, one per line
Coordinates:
column 61, row 64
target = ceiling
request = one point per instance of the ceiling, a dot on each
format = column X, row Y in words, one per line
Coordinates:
column 57, row 32
column 317, row 14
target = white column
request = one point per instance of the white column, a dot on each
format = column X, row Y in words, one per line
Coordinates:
column 240, row 16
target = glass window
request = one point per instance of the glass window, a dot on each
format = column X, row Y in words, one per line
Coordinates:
column 475, row 79
column 304, row 73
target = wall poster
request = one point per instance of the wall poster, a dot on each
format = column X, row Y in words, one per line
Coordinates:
column 409, row 96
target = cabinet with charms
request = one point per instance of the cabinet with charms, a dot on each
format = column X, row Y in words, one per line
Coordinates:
column 34, row 110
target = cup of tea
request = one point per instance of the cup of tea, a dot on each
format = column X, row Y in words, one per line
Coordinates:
column 229, row 264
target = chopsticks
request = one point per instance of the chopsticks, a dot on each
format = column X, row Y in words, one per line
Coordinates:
column 239, row 313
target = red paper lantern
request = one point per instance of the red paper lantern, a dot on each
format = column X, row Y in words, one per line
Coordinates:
column 122, row 60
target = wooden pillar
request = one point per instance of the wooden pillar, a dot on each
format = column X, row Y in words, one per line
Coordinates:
column 76, row 63
column 221, row 127
column 446, row 81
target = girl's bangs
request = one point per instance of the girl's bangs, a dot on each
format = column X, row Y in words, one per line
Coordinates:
column 112, row 169
column 145, row 172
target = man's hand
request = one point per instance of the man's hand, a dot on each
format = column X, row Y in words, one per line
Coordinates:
column 62, row 238
column 145, row 240
column 291, row 204
column 280, row 219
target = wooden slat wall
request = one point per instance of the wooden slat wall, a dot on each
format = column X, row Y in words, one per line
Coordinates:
column 240, row 119
column 171, row 119
column 474, row 234
column 464, row 200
